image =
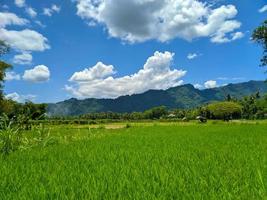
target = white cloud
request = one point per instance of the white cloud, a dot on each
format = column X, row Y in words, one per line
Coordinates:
column 98, row 81
column 20, row 98
column 56, row 8
column 220, row 36
column 99, row 71
column 50, row 11
column 47, row 12
column 31, row 12
column 210, row 84
column 23, row 59
column 40, row 23
column 198, row 86
column 25, row 40
column 263, row 9
column 192, row 56
column 20, row 3
column 38, row 74
column 10, row 76
column 7, row 18
column 22, row 40
column 237, row 35
column 162, row 20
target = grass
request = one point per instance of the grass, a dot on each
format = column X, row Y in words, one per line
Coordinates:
column 214, row 161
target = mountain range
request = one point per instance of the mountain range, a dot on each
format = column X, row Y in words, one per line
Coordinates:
column 183, row 97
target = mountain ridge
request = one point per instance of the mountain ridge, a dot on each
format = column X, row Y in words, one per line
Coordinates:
column 183, row 97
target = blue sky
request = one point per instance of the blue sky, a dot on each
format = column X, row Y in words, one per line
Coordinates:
column 83, row 49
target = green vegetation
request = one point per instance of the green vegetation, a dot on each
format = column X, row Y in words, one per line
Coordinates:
column 224, row 110
column 156, row 151
column 4, row 48
column 249, row 107
column 260, row 36
column 141, row 162
column 181, row 97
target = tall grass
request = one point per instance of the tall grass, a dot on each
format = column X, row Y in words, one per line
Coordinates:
column 10, row 136
column 156, row 162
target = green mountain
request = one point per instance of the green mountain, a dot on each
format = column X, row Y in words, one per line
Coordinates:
column 185, row 96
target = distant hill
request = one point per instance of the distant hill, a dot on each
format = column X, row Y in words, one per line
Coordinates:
column 185, row 96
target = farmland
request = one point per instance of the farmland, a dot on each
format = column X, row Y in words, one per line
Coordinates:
column 141, row 161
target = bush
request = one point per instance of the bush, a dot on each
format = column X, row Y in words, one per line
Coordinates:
column 128, row 126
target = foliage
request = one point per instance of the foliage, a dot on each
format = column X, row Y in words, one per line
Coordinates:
column 155, row 113
column 23, row 113
column 224, row 110
column 260, row 36
column 3, row 67
column 254, row 107
column 10, row 136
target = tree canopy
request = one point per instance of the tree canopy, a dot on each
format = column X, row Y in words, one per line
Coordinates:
column 4, row 48
column 224, row 110
column 260, row 36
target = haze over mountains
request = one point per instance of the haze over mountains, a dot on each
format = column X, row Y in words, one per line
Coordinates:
column 185, row 96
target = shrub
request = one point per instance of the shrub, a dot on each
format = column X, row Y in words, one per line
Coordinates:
column 128, row 126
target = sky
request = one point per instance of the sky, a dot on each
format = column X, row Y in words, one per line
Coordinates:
column 63, row 49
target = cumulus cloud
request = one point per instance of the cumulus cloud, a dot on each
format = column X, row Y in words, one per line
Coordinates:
column 50, row 11
column 198, row 86
column 20, row 98
column 263, row 9
column 7, row 18
column 21, row 40
column 210, row 84
column 38, row 74
column 20, row 3
column 10, row 76
column 23, row 59
column 25, row 40
column 162, row 20
column 99, row 71
column 98, row 82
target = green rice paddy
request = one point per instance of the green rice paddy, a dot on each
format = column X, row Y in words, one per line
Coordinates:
column 155, row 161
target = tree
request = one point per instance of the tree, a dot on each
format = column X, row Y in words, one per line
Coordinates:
column 260, row 36
column 224, row 110
column 155, row 113
column 4, row 48
column 229, row 97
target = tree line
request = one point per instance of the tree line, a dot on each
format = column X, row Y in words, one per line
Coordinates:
column 250, row 107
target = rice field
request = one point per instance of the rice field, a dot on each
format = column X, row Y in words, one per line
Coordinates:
column 155, row 161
